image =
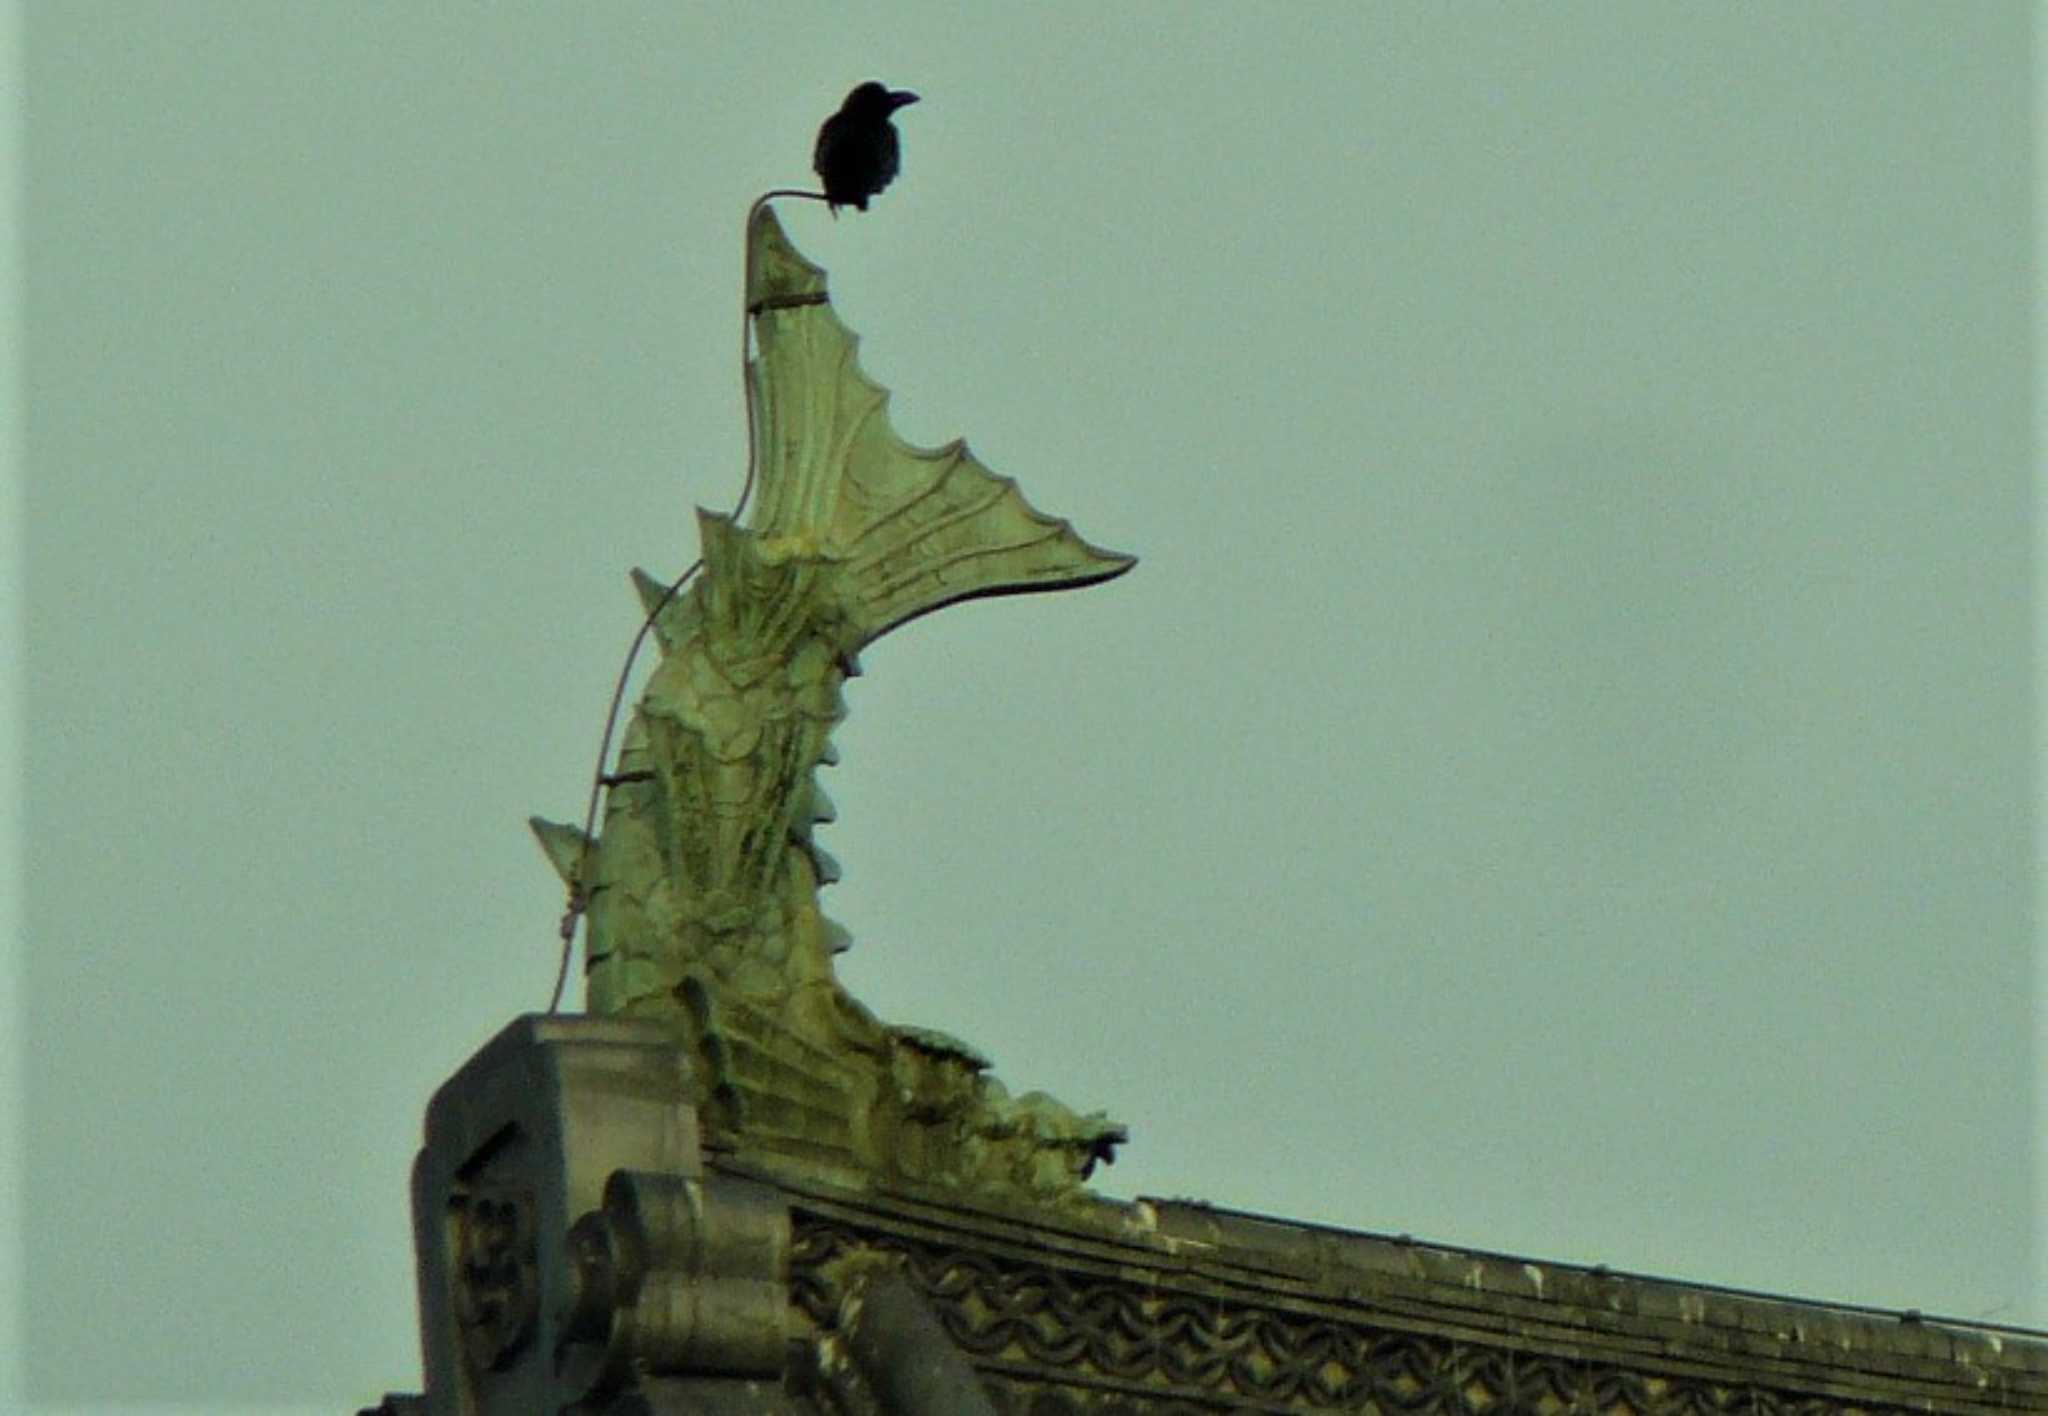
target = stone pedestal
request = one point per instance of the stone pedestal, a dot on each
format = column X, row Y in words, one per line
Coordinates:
column 577, row 1255
column 519, row 1145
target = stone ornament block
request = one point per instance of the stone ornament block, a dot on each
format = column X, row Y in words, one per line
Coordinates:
column 519, row 1144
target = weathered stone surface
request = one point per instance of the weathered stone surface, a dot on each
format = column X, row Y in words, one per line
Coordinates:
column 519, row 1143
column 693, row 1280
column 1174, row 1307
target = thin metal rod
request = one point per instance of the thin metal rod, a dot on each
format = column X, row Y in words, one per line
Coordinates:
column 579, row 899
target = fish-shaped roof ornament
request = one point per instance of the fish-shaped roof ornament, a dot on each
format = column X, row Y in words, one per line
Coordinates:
column 702, row 886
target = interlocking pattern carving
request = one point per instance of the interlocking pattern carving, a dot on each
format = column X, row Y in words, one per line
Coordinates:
column 1153, row 1349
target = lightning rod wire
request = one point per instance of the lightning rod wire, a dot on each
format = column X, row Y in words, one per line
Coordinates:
column 579, row 899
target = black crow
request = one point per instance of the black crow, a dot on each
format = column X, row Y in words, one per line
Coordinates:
column 857, row 153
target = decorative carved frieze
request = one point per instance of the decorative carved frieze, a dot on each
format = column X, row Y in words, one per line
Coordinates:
column 1147, row 1341
column 581, row 1254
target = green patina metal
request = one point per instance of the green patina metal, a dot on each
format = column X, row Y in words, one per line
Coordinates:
column 702, row 886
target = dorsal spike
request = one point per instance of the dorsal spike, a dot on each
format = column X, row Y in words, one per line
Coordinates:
column 824, row 863
column 656, row 602
column 566, row 847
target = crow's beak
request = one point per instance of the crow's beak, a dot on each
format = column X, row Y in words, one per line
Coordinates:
column 901, row 98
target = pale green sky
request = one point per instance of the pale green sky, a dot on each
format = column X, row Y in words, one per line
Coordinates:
column 1559, row 780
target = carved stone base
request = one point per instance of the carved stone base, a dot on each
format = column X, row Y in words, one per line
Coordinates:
column 519, row 1144
column 577, row 1254
column 581, row 1255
